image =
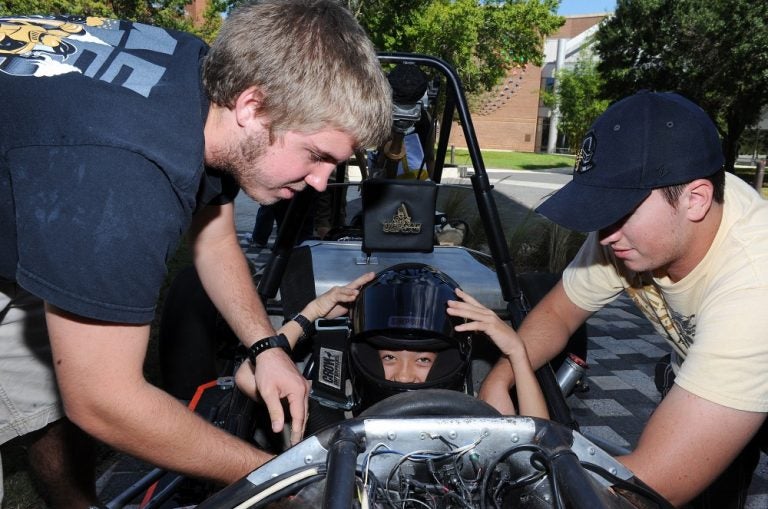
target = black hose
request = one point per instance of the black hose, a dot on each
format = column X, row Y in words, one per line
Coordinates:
column 342, row 462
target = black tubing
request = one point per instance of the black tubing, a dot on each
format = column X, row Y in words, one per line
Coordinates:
column 342, row 464
column 287, row 237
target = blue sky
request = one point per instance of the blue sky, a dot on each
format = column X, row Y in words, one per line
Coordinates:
column 572, row 7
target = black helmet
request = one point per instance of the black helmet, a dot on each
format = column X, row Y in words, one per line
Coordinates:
column 403, row 308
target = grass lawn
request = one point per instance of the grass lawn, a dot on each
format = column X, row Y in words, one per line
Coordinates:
column 504, row 159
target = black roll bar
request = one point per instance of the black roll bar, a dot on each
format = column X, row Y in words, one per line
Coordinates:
column 517, row 304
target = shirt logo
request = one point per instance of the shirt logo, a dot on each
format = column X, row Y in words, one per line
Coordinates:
column 115, row 52
column 401, row 222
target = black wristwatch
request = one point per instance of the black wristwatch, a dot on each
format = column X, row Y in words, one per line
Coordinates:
column 307, row 327
column 279, row 341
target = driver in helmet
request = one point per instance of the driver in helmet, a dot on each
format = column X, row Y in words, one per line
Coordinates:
column 412, row 328
column 402, row 339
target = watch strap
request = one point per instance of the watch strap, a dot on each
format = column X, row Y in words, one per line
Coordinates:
column 262, row 345
column 307, row 327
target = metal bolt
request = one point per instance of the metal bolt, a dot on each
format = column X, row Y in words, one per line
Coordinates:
column 591, row 451
column 452, row 434
column 308, row 459
column 391, row 435
column 515, row 438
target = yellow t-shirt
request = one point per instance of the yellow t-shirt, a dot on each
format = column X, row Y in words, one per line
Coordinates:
column 716, row 318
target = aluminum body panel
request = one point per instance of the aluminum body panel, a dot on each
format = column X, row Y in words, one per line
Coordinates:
column 337, row 263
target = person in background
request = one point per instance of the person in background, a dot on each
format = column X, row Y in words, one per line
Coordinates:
column 266, row 217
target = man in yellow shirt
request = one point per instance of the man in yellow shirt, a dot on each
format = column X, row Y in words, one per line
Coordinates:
column 689, row 245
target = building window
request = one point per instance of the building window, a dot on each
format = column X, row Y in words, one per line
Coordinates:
column 548, row 86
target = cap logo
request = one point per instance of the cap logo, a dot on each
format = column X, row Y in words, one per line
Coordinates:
column 586, row 153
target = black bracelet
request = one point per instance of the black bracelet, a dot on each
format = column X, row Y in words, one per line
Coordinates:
column 307, row 327
column 279, row 341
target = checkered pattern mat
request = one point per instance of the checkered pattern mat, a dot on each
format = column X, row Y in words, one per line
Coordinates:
column 622, row 353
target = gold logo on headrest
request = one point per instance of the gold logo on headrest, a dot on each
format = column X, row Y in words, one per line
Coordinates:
column 401, row 222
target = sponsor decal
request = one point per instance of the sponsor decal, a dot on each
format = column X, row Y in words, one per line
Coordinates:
column 330, row 367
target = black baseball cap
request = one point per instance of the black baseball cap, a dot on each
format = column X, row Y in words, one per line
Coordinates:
column 642, row 142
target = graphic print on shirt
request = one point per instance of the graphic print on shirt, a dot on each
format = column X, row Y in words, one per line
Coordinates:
column 678, row 329
column 95, row 47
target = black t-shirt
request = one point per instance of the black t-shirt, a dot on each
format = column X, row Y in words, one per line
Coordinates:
column 101, row 160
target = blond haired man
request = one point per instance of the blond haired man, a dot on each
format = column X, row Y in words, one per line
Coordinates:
column 115, row 142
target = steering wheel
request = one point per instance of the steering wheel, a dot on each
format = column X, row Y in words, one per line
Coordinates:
column 430, row 403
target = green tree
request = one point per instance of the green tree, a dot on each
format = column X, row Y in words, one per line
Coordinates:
column 481, row 39
column 164, row 13
column 43, row 7
column 714, row 53
column 578, row 98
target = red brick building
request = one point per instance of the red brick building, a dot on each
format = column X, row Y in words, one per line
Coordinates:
column 511, row 117
column 196, row 10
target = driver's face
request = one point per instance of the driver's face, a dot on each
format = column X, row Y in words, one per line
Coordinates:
column 405, row 366
column 271, row 172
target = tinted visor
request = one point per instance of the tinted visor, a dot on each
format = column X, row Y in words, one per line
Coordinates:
column 405, row 303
